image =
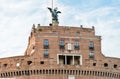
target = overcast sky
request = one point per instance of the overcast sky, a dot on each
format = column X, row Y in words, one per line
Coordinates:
column 18, row 16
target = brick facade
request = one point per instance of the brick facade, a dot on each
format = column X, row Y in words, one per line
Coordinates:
column 61, row 52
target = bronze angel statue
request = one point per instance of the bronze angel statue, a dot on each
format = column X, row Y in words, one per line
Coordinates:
column 54, row 13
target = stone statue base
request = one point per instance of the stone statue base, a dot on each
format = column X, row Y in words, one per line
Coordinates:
column 54, row 23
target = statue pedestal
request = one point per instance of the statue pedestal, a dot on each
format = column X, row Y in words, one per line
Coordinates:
column 54, row 23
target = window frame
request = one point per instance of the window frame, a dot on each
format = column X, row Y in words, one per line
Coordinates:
column 91, row 45
column 46, row 53
column 61, row 44
column 46, row 44
column 76, row 45
column 91, row 55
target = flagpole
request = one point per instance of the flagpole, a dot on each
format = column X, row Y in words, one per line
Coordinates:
column 52, row 9
column 52, row 4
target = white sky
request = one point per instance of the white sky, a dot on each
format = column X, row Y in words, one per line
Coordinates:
column 18, row 16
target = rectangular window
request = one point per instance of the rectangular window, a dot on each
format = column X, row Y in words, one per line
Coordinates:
column 76, row 45
column 62, row 60
column 41, row 62
column 69, row 59
column 91, row 55
column 46, row 53
column 77, row 60
column 46, row 44
column 115, row 65
column 91, row 45
column 62, row 44
column 94, row 64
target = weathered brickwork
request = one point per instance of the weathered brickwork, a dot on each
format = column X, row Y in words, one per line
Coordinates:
column 61, row 52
